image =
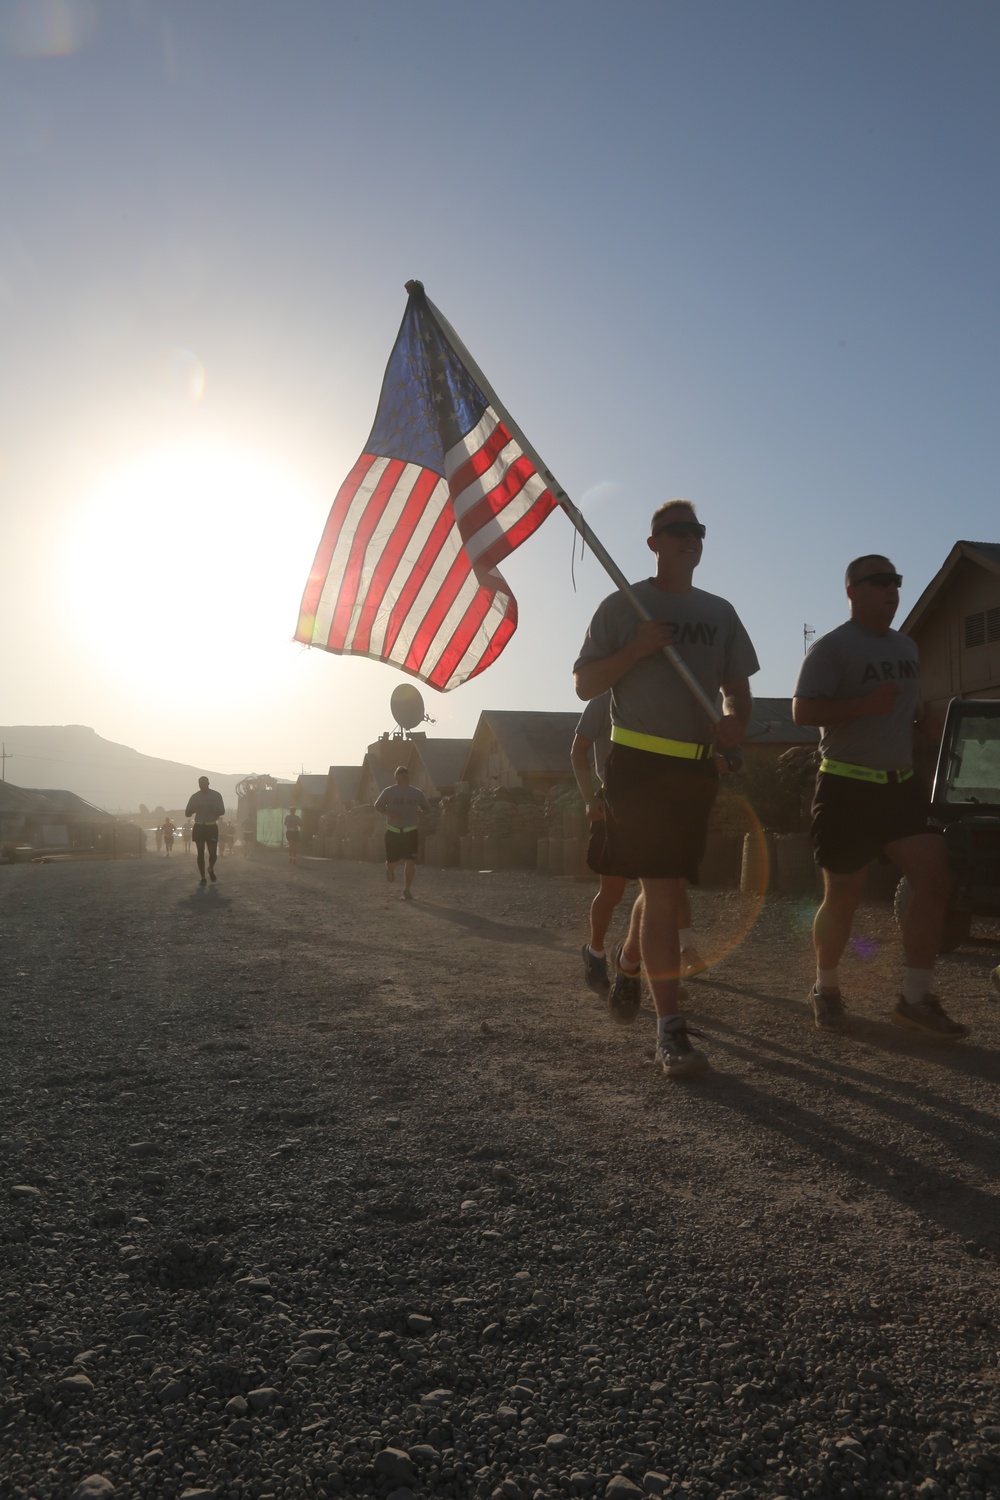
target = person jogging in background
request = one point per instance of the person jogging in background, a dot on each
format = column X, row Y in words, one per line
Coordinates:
column 402, row 805
column 860, row 685
column 660, row 776
column 186, row 835
column 588, row 753
column 293, row 832
column 168, row 828
column 206, row 807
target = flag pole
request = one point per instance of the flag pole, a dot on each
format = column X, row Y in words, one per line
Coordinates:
column 680, row 666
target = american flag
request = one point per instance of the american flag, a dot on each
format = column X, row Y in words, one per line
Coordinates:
column 406, row 569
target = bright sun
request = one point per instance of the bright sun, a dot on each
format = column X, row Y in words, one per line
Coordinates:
column 183, row 573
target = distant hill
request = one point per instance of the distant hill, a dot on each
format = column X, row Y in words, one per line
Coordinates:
column 73, row 758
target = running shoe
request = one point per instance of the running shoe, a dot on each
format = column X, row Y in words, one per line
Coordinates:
column 625, row 997
column 595, row 971
column 692, row 963
column 390, row 873
column 675, row 1054
column 407, row 894
column 929, row 1018
column 212, row 876
column 828, row 1009
column 203, row 881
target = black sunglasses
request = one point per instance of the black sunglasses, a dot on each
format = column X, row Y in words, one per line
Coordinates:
column 681, row 529
column 882, row 580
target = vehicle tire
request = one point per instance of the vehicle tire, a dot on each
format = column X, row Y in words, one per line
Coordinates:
column 956, row 923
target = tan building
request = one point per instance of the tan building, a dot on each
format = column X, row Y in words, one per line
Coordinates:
column 521, row 749
column 956, row 626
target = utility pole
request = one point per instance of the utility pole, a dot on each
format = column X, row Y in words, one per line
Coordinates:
column 808, row 636
column 5, row 756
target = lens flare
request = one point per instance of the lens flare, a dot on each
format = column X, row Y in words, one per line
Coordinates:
column 47, row 28
column 731, row 921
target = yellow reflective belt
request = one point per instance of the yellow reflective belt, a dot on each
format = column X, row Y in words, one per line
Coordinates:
column 682, row 749
column 393, row 828
column 862, row 773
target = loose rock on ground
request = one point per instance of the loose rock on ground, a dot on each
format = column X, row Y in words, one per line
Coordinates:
column 309, row 1192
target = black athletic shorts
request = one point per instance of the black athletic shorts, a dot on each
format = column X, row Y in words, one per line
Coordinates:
column 205, row 833
column 656, row 816
column 292, row 835
column 852, row 821
column 401, row 845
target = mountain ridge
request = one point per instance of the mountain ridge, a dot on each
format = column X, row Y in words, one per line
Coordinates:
column 115, row 777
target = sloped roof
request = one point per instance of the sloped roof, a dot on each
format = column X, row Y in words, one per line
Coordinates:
column 985, row 554
column 772, row 723
column 14, row 799
column 69, row 804
column 444, row 759
column 535, row 743
column 382, row 776
column 345, row 781
column 311, row 786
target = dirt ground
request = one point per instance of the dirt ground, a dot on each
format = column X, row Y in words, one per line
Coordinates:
column 296, row 1058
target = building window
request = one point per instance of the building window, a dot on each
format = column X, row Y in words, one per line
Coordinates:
column 975, row 629
column 993, row 624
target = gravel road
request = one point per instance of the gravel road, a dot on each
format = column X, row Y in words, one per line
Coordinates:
column 307, row 1191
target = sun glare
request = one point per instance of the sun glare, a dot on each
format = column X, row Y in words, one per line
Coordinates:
column 183, row 573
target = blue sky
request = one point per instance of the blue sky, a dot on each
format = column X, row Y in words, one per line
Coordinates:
column 744, row 253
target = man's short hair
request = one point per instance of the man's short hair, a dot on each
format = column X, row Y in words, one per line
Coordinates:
column 857, row 567
column 203, row 782
column 401, row 771
column 667, row 507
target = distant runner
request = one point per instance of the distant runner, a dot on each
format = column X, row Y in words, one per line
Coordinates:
column 186, row 836
column 206, row 807
column 588, row 753
column 168, row 829
column 860, row 685
column 660, row 777
column 402, row 805
column 293, row 831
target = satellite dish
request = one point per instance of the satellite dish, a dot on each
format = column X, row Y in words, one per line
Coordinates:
column 406, row 706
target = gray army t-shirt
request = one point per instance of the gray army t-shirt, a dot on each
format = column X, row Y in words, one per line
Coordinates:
column 400, row 804
column 850, row 662
column 594, row 725
column 205, row 806
column 650, row 698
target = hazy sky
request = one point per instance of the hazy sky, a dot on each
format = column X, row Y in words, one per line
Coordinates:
column 741, row 252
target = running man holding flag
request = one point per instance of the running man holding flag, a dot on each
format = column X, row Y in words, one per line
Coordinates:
column 660, row 777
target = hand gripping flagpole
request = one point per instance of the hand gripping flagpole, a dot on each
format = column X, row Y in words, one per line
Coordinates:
column 678, row 663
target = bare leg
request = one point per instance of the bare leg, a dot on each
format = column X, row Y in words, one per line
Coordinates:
column 631, row 954
column 661, row 954
column 923, row 859
column 409, row 870
column 602, row 908
column 832, row 923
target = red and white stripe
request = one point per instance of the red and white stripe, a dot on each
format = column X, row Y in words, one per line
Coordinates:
column 406, row 572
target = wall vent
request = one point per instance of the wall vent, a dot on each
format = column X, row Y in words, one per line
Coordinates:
column 975, row 629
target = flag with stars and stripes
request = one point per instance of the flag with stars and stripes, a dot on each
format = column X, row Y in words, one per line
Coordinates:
column 406, row 570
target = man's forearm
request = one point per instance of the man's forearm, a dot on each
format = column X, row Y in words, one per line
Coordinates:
column 737, row 701
column 583, row 772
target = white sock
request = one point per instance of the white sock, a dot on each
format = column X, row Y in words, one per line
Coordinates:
column 664, row 1025
column 916, row 984
column 827, row 979
column 596, row 952
column 686, row 936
